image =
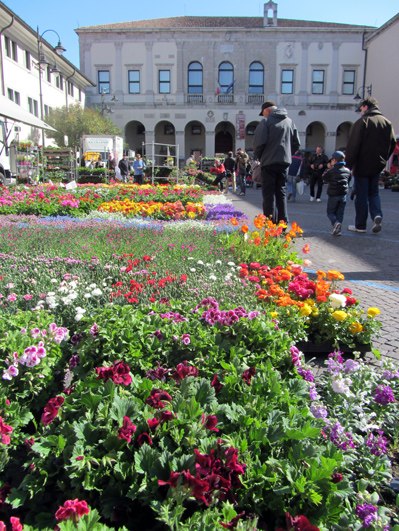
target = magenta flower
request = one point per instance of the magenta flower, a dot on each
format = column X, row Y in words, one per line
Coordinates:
column 127, row 430
column 5, row 430
column 383, row 395
column 367, row 513
column 210, row 422
column 72, row 510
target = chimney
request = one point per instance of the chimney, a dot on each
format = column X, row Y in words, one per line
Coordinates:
column 270, row 14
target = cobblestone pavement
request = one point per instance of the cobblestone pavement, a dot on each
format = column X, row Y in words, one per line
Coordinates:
column 370, row 262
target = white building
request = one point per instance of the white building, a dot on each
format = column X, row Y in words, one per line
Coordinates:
column 199, row 81
column 61, row 83
column 382, row 68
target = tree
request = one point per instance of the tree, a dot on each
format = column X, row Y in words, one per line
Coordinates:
column 74, row 121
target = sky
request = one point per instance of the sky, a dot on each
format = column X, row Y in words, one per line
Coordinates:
column 65, row 16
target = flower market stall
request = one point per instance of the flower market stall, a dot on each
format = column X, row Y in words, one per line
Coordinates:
column 152, row 375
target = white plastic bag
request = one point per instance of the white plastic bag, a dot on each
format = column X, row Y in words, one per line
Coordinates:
column 300, row 187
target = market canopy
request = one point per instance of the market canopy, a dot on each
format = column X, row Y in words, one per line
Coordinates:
column 11, row 110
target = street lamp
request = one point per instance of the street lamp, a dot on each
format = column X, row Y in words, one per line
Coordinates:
column 59, row 50
column 363, row 89
column 105, row 107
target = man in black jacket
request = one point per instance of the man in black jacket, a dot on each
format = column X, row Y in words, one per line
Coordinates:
column 317, row 166
column 124, row 168
column 371, row 143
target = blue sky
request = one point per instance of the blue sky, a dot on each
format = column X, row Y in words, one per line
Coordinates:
column 65, row 16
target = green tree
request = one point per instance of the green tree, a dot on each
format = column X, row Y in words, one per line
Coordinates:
column 74, row 121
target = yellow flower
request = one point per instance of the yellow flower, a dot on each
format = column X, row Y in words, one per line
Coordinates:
column 355, row 327
column 373, row 312
column 305, row 310
column 339, row 315
column 273, row 314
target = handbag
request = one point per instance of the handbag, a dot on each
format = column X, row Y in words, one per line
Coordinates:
column 257, row 174
column 300, row 187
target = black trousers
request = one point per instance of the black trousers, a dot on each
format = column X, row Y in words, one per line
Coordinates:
column 274, row 179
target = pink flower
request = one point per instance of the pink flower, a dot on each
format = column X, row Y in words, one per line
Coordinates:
column 5, row 429
column 51, row 410
column 15, row 524
column 72, row 510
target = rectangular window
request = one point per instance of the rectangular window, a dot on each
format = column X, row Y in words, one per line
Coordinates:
column 348, row 82
column 59, row 82
column 164, row 81
column 14, row 96
column 287, row 81
column 11, row 48
column 28, row 60
column 80, row 95
column 46, row 110
column 70, row 88
column 7, row 46
column 49, row 73
column 318, row 82
column 33, row 106
column 103, row 82
column 134, row 81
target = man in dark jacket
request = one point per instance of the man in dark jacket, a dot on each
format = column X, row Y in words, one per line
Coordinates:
column 317, row 166
column 124, row 168
column 371, row 143
column 337, row 178
column 275, row 140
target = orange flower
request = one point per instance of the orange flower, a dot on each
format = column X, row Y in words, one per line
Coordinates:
column 234, row 221
column 244, row 229
column 260, row 221
column 306, row 249
column 335, row 275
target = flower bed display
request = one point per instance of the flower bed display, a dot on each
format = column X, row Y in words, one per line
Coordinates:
column 151, row 380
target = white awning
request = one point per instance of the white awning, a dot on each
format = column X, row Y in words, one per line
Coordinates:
column 11, row 110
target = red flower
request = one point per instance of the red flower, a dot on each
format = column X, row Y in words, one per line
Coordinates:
column 299, row 523
column 127, row 430
column 51, row 410
column 337, row 477
column 144, row 438
column 166, row 416
column 121, row 373
column 183, row 370
column 248, row 374
column 157, row 397
column 210, row 422
column 72, row 510
column 215, row 383
column 153, row 423
column 104, row 373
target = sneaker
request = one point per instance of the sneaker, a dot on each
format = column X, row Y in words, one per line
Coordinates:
column 377, row 224
column 337, row 229
column 241, row 193
column 318, row 200
column 311, row 198
column 354, row 229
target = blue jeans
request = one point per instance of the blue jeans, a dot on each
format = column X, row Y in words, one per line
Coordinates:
column 335, row 208
column 242, row 182
column 367, row 200
column 274, row 179
column 291, row 186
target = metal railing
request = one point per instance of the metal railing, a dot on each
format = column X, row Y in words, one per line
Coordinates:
column 195, row 99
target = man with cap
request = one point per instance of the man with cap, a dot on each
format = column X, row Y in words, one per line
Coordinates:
column 337, row 178
column 275, row 141
column 371, row 142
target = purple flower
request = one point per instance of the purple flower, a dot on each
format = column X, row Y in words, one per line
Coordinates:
column 306, row 374
column 94, row 330
column 319, row 411
column 378, row 444
column 383, row 395
column 367, row 513
column 296, row 356
column 159, row 335
column 340, row 438
column 313, row 394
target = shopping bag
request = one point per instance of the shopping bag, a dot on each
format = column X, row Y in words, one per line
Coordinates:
column 300, row 187
column 257, row 174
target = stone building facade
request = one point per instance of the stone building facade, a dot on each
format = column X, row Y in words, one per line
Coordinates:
column 199, row 81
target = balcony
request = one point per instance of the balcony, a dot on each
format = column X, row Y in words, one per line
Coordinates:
column 225, row 99
column 255, row 99
column 195, row 99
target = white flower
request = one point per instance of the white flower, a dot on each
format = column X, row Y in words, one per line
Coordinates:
column 231, row 264
column 200, row 262
column 96, row 292
column 337, row 300
column 192, row 269
column 54, row 281
column 218, row 262
column 87, row 295
column 190, row 258
column 341, row 385
column 212, row 277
